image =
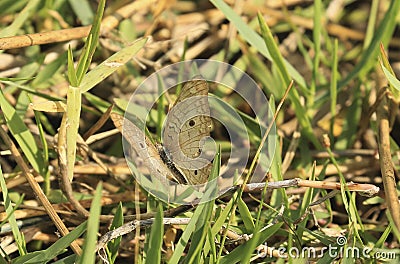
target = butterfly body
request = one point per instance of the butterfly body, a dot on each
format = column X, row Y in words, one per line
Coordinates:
column 167, row 160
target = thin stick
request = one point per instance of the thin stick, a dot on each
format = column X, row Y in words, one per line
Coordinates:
column 363, row 189
column 132, row 226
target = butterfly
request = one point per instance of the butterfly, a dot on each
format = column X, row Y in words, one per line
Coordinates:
column 188, row 123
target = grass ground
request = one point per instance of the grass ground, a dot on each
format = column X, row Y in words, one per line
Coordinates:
column 64, row 179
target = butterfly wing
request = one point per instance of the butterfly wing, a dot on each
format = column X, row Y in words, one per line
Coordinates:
column 144, row 149
column 188, row 123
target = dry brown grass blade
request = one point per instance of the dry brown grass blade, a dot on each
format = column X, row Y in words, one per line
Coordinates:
column 103, row 119
column 43, row 38
column 26, row 211
column 332, row 28
column 109, row 23
column 112, row 21
column 37, row 190
column 65, row 182
column 387, row 168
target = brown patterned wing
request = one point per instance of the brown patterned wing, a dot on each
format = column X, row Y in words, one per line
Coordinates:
column 145, row 150
column 187, row 125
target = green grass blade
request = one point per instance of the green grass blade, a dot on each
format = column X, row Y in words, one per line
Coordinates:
column 156, row 238
column 45, row 153
column 82, row 10
column 90, row 46
column 67, row 260
column 199, row 236
column 55, row 249
column 160, row 109
column 250, row 246
column 382, row 34
column 237, row 254
column 218, row 224
column 10, row 6
column 253, row 38
column 20, row 19
column 22, row 104
column 352, row 120
column 109, row 66
column 213, row 249
column 44, row 77
column 246, row 215
column 333, row 86
column 30, row 90
column 89, row 247
column 18, row 235
column 17, row 204
column 100, row 104
column 74, row 102
column 263, row 74
column 308, row 197
column 22, row 135
column 72, row 78
column 114, row 244
column 197, row 225
column 273, row 49
column 371, row 22
column 317, row 48
column 284, row 73
column 394, row 83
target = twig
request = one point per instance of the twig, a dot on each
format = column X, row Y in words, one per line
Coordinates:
column 131, row 226
column 363, row 189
